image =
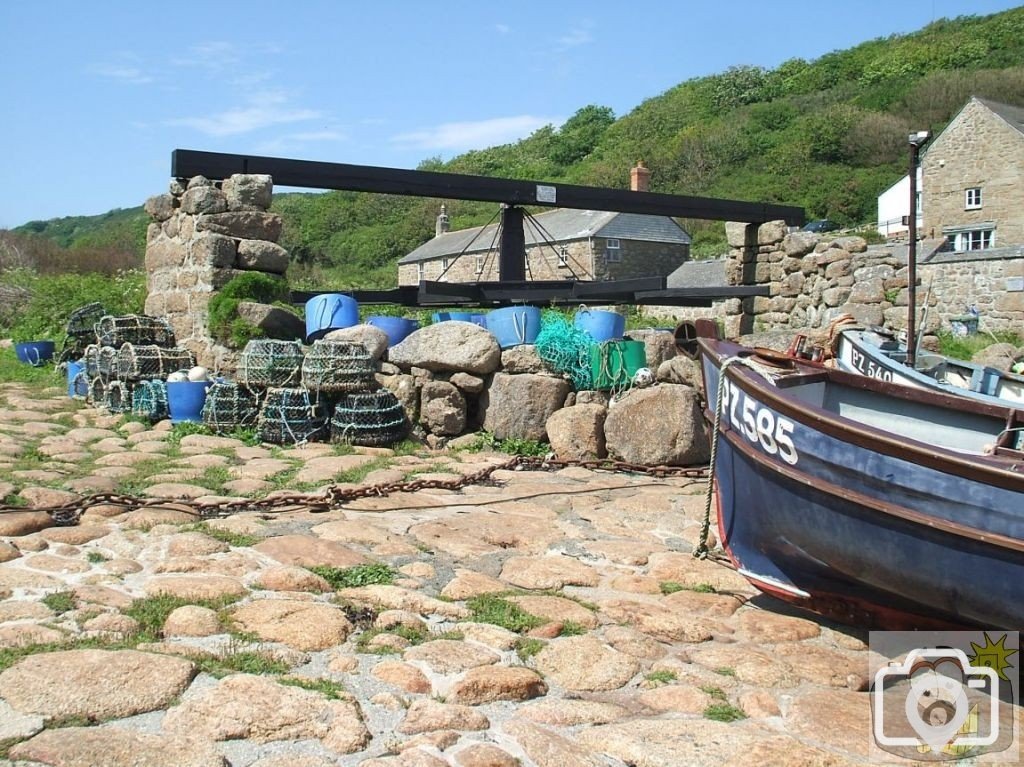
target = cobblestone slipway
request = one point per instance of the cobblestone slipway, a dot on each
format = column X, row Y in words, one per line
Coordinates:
column 636, row 653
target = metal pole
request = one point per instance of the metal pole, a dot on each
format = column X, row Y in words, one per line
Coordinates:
column 912, row 259
column 917, row 140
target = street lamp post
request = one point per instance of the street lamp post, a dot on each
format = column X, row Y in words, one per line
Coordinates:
column 917, row 140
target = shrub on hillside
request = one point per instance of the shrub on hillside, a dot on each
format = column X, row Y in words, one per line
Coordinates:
column 53, row 297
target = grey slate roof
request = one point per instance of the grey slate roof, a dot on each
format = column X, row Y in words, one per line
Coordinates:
column 560, row 225
column 1013, row 115
column 698, row 274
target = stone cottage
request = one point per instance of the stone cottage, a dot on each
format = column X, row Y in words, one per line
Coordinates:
column 971, row 178
column 561, row 244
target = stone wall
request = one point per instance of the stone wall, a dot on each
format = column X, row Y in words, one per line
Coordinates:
column 203, row 234
column 814, row 278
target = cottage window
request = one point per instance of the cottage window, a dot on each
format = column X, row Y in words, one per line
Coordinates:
column 563, row 256
column 612, row 251
column 479, row 264
column 421, row 271
column 972, row 198
column 444, row 268
column 975, row 239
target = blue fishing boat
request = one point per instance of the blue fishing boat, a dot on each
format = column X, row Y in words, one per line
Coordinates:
column 878, row 353
column 870, row 502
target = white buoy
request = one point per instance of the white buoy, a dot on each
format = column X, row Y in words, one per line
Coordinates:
column 177, row 376
column 198, row 373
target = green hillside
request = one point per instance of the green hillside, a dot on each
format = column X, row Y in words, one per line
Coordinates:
column 828, row 134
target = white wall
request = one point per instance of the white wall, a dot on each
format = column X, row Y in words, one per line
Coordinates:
column 894, row 204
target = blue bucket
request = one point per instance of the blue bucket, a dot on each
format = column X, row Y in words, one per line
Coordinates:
column 397, row 328
column 479, row 319
column 78, row 384
column 185, row 400
column 601, row 325
column 514, row 325
column 34, row 353
column 460, row 316
column 327, row 312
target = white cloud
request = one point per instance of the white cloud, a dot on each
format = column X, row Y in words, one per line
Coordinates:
column 122, row 73
column 461, row 136
column 263, row 110
column 222, row 54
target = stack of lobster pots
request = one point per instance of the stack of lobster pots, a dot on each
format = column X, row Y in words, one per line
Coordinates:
column 130, row 359
column 293, row 395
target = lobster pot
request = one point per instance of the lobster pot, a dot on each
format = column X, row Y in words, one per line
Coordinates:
column 265, row 363
column 373, row 419
column 289, row 417
column 82, row 321
column 151, row 361
column 229, row 406
column 97, row 395
column 336, row 367
column 118, row 397
column 149, row 400
column 91, row 360
column 106, row 362
column 134, row 329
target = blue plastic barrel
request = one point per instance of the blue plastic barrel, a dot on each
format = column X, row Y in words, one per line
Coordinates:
column 327, row 312
column 601, row 325
column 479, row 319
column 185, row 400
column 459, row 316
column 397, row 328
column 34, row 353
column 78, row 384
column 514, row 325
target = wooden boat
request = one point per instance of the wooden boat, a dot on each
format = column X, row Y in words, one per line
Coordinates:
column 877, row 353
column 871, row 502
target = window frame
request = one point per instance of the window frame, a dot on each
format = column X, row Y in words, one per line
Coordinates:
column 479, row 268
column 973, row 199
column 613, row 250
column 421, row 271
column 975, row 239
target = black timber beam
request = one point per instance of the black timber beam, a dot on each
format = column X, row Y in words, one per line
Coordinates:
column 186, row 163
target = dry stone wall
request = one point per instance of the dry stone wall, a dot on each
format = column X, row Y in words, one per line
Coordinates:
column 813, row 279
column 203, row 234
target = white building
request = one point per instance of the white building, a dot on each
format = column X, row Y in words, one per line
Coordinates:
column 894, row 207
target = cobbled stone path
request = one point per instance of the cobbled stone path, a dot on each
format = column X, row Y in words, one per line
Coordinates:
column 634, row 653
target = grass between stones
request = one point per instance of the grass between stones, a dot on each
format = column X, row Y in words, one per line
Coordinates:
column 60, row 601
column 527, row 647
column 151, row 612
column 375, row 573
column 664, row 676
column 671, row 587
column 725, row 671
column 327, row 688
column 225, row 536
column 95, row 557
column 489, row 608
column 724, row 712
column 717, row 693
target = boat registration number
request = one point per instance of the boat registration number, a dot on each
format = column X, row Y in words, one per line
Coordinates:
column 771, row 432
column 868, row 367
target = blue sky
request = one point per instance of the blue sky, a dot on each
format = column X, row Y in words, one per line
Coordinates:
column 96, row 95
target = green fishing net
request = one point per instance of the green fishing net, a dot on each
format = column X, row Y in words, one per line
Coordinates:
column 566, row 349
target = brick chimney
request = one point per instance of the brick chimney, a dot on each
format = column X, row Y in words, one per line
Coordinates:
column 639, row 177
column 441, row 226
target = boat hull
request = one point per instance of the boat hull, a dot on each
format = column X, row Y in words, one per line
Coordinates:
column 859, row 533
column 855, row 353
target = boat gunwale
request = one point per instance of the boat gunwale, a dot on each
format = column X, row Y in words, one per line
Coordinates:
column 993, row 470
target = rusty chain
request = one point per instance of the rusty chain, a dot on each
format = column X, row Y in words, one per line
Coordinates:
column 333, row 496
